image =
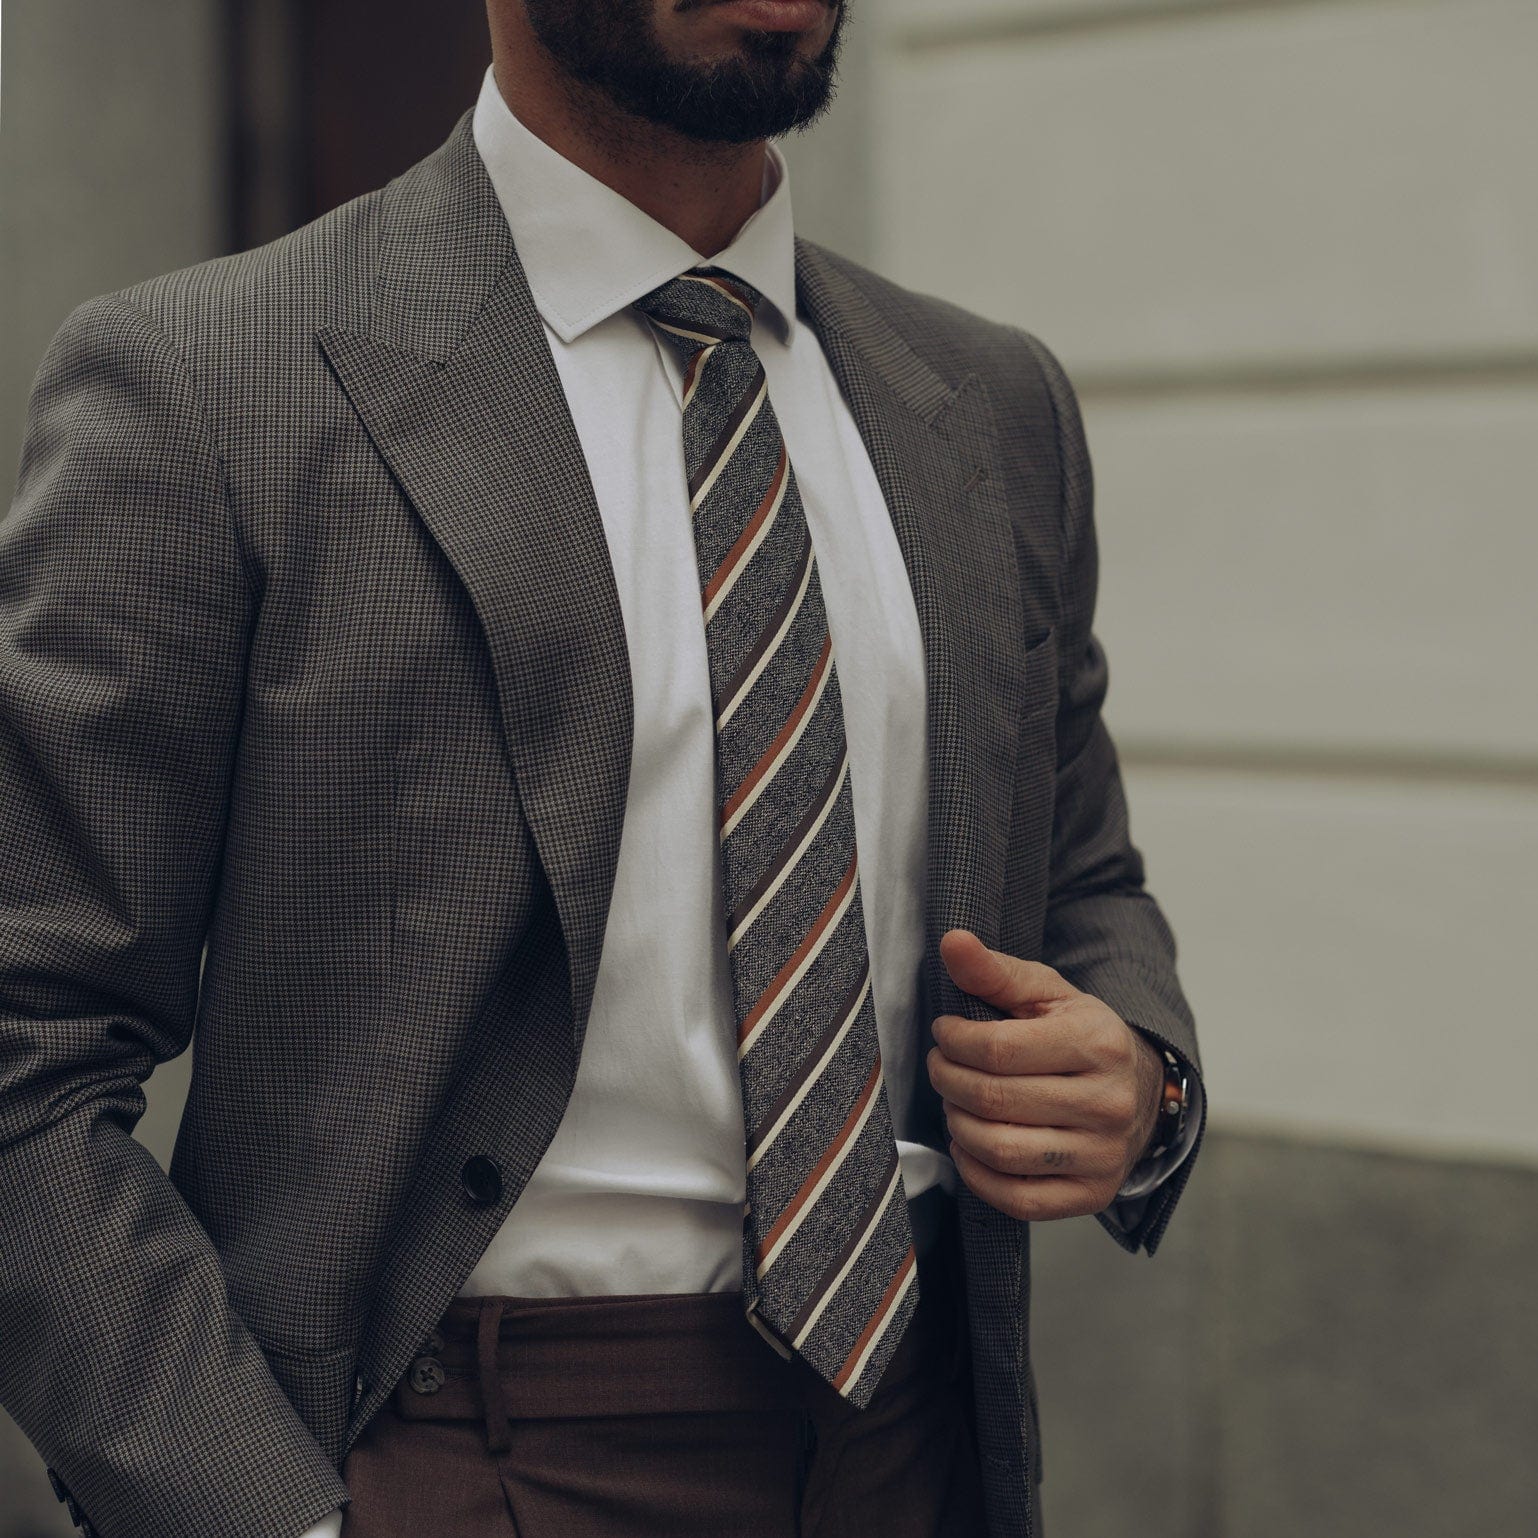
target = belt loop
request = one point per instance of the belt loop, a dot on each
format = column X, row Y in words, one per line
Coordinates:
column 488, row 1327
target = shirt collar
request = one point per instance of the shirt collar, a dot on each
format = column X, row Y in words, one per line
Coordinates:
column 588, row 251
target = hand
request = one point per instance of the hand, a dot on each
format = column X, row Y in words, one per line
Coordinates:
column 1049, row 1109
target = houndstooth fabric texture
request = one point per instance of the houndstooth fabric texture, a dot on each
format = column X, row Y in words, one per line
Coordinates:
column 315, row 722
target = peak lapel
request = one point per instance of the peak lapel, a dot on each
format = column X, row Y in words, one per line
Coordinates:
column 458, row 391
column 933, row 447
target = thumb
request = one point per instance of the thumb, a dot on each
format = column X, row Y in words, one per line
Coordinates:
column 1004, row 981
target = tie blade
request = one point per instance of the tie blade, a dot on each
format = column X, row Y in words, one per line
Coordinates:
column 828, row 1260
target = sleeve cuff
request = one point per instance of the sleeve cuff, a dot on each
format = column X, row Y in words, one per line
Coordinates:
column 1150, row 1174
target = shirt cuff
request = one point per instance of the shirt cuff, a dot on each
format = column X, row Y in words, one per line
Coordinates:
column 329, row 1526
column 1148, row 1175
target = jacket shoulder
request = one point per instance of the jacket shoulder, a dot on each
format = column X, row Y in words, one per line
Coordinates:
column 952, row 339
column 1026, row 384
column 317, row 275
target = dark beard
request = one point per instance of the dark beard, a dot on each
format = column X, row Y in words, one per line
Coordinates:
column 765, row 91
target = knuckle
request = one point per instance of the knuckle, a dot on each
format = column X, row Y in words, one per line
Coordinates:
column 1083, row 1201
column 1020, row 1201
column 993, row 1095
column 1110, row 1044
column 996, row 1052
column 1002, row 1152
column 1120, row 1104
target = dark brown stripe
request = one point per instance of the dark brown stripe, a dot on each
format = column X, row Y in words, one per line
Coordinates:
column 847, row 1249
column 750, row 529
column 771, row 624
column 733, row 422
column 781, row 737
column 799, row 832
column 778, row 981
column 730, row 288
column 871, row 1086
column 908, row 1262
column 814, row 1053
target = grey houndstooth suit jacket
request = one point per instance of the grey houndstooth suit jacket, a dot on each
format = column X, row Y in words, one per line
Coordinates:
column 315, row 722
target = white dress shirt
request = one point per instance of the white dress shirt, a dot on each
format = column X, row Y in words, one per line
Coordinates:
column 642, row 1188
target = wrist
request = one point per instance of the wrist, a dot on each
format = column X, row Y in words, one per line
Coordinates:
column 1173, row 1104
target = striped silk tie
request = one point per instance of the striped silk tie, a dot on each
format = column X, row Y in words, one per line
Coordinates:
column 828, row 1261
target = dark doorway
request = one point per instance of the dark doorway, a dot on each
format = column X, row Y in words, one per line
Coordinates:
column 331, row 98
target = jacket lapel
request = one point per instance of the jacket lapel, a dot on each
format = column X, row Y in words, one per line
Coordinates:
column 933, row 446
column 454, row 382
column 456, row 387
column 934, row 450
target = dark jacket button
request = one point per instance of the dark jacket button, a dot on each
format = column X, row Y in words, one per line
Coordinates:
column 427, row 1375
column 482, row 1180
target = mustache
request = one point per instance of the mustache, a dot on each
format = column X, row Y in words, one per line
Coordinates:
column 699, row 5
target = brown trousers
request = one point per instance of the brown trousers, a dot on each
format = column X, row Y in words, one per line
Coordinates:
column 667, row 1416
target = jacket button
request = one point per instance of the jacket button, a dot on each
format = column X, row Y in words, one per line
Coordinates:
column 482, row 1180
column 427, row 1375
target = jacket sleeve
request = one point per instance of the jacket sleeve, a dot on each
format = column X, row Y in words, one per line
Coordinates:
column 1104, row 931
column 124, row 620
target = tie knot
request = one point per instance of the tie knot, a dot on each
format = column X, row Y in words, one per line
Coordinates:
column 701, row 307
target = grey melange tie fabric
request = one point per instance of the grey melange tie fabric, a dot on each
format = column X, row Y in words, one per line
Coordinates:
column 828, row 1260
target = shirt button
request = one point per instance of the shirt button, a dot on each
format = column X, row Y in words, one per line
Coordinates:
column 482, row 1180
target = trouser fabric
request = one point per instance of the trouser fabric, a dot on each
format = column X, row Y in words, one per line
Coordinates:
column 668, row 1416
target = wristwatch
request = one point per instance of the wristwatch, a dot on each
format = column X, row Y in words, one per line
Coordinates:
column 1173, row 1104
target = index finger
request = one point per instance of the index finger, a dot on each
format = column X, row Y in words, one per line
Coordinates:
column 1047, row 1044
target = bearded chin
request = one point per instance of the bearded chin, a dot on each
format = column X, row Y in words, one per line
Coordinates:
column 765, row 90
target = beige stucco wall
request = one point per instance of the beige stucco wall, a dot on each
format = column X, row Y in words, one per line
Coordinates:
column 1289, row 252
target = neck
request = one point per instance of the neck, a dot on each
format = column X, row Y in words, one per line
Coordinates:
column 703, row 192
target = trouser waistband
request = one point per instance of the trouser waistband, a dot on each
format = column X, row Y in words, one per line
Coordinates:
column 502, row 1358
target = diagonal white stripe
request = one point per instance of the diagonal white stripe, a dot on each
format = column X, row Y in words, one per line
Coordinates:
column 794, row 860
column 769, row 654
column 812, row 1077
column 879, row 1332
column 800, row 972
column 720, row 288
column 693, row 336
column 763, row 784
column 748, row 554
column 706, row 353
column 848, row 1265
column 731, row 447
column 822, row 1183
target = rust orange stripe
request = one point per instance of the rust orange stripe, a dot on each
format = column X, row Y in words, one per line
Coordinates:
column 781, row 737
column 788, row 1216
column 732, row 556
column 908, row 1262
column 772, row 992
column 728, row 288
